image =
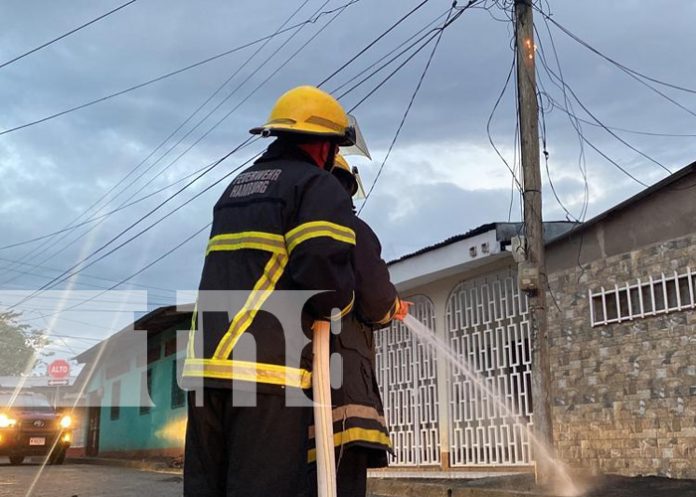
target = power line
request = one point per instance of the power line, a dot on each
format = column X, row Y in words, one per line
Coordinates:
column 430, row 34
column 68, row 273
column 411, row 100
column 393, row 73
column 102, row 216
column 189, row 238
column 373, row 42
column 136, row 236
column 601, row 124
column 63, row 276
column 544, row 133
column 46, row 247
column 630, row 72
column 139, row 271
column 171, row 163
column 611, row 60
column 88, row 276
column 490, row 122
column 556, row 105
column 65, row 35
column 169, row 74
column 286, row 61
column 582, row 162
column 584, row 138
column 235, row 90
column 559, row 81
column 410, row 38
column 72, row 271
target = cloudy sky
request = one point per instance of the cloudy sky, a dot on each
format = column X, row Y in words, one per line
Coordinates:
column 443, row 177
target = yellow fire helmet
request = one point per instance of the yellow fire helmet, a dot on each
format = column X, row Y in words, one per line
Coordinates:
column 341, row 167
column 308, row 110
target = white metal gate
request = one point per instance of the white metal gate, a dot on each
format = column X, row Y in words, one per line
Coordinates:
column 407, row 376
column 487, row 326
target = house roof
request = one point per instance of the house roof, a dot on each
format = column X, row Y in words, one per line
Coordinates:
column 449, row 241
column 152, row 323
column 504, row 231
column 486, row 244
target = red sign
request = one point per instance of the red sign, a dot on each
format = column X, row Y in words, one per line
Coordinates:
column 59, row 369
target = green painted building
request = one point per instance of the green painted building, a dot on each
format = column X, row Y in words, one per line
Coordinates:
column 118, row 375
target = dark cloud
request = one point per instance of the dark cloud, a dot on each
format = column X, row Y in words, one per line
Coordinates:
column 442, row 179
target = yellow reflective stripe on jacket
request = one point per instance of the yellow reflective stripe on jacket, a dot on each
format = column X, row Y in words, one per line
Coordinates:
column 316, row 229
column 354, row 435
column 247, row 371
column 256, row 240
column 390, row 314
column 259, row 294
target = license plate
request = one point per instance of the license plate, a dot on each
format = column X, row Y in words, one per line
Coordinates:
column 37, row 441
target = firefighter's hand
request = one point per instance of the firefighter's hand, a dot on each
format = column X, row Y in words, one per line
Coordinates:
column 402, row 309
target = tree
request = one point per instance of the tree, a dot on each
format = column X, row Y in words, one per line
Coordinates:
column 20, row 344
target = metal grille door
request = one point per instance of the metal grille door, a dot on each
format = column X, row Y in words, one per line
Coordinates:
column 488, row 329
column 407, row 376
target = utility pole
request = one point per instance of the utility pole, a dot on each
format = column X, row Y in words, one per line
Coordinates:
column 532, row 271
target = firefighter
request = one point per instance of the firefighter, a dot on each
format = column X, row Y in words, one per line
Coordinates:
column 284, row 223
column 360, row 430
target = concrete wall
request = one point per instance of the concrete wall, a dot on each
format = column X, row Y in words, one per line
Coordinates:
column 624, row 394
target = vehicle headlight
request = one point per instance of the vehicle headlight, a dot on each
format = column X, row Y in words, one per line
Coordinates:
column 65, row 422
column 6, row 421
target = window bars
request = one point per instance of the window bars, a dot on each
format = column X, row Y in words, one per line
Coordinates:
column 642, row 299
column 407, row 377
column 488, row 329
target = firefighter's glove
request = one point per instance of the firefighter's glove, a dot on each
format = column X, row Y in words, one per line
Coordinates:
column 402, row 309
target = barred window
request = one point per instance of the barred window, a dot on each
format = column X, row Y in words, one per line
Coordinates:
column 643, row 298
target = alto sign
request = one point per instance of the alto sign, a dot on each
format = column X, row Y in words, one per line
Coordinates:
column 59, row 369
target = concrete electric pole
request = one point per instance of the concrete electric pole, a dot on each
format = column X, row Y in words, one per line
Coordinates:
column 532, row 271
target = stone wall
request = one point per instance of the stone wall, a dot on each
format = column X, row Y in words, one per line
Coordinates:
column 624, row 394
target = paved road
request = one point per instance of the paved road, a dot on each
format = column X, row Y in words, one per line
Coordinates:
column 84, row 480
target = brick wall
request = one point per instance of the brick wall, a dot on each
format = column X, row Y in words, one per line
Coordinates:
column 624, row 394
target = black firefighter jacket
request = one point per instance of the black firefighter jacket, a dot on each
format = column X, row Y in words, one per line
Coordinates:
column 282, row 224
column 358, row 412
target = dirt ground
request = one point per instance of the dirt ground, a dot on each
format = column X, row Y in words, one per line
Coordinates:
column 645, row 486
column 601, row 486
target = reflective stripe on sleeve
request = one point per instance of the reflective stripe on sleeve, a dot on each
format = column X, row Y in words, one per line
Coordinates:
column 353, row 411
column 316, row 229
column 354, row 435
column 390, row 314
column 247, row 371
column 343, row 312
column 256, row 240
